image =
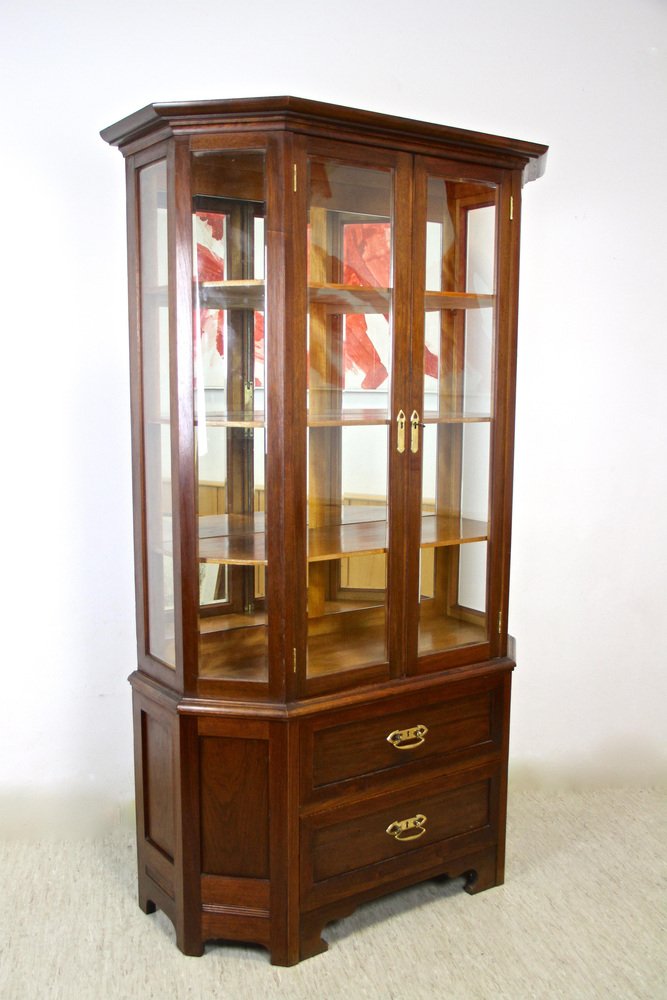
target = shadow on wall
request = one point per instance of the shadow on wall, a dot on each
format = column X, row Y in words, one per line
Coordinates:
column 618, row 763
column 30, row 814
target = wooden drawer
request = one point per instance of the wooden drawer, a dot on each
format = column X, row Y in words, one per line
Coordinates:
column 383, row 742
column 348, row 849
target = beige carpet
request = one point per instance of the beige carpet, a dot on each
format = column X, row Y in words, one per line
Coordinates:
column 583, row 914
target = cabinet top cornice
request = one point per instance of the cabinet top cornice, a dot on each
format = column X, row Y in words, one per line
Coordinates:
column 157, row 120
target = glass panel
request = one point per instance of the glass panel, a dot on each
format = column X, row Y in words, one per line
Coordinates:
column 349, row 374
column 156, row 411
column 458, row 411
column 230, row 384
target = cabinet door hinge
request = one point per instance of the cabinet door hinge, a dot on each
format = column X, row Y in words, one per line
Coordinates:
column 500, row 622
column 511, row 207
column 295, row 177
column 294, row 660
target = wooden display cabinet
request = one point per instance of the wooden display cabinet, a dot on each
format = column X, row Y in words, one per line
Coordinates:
column 323, row 312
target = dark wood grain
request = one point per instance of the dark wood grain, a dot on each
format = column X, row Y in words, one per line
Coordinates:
column 234, row 806
column 265, row 780
column 305, row 114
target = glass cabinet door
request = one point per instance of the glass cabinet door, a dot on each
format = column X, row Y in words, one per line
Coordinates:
column 228, row 215
column 350, row 349
column 458, row 284
column 156, row 404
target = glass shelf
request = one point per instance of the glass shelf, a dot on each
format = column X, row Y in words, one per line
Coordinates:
column 438, row 530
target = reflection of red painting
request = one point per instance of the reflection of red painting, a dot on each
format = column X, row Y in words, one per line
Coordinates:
column 367, row 255
column 367, row 261
column 259, row 347
column 211, row 267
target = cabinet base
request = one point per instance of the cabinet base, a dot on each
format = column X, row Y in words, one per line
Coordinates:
column 264, row 830
column 479, row 870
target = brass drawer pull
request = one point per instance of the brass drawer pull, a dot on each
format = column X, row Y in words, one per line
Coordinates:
column 407, row 739
column 407, row 829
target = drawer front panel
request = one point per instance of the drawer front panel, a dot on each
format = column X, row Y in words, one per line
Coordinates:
column 369, row 842
column 404, row 736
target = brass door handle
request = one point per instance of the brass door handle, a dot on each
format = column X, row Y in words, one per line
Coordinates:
column 408, row 739
column 400, row 432
column 415, row 424
column 408, row 829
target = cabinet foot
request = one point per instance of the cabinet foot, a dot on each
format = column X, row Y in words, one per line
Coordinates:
column 146, row 905
column 483, row 875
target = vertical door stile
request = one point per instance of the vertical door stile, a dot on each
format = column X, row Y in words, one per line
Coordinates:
column 508, row 229
column 399, row 528
column 413, row 402
column 186, row 583
column 284, row 541
column 295, row 324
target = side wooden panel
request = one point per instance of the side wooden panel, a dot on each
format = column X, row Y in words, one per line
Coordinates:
column 234, row 779
column 242, row 765
column 154, row 766
column 158, row 782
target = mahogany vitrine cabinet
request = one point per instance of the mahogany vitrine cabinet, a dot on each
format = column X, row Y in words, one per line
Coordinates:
column 323, row 311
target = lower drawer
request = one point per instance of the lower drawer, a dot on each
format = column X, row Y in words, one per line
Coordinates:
column 345, row 849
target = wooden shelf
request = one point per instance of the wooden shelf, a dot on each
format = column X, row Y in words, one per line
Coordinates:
column 354, row 299
column 232, row 539
column 239, row 540
column 235, row 653
column 241, row 294
column 338, row 541
column 438, row 632
column 438, row 530
column 348, row 640
column 338, row 299
column 434, row 301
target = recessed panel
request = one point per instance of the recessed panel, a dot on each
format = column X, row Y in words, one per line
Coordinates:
column 234, row 780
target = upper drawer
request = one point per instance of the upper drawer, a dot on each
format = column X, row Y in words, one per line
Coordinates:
column 463, row 725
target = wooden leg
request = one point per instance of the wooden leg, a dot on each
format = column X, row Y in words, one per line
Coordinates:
column 483, row 874
column 145, row 904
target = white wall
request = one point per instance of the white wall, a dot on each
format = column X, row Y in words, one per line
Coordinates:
column 590, row 538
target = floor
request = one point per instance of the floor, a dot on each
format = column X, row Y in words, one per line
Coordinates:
column 583, row 914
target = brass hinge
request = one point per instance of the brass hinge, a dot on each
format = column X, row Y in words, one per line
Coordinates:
column 511, row 207
column 500, row 622
column 294, row 660
column 295, row 177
